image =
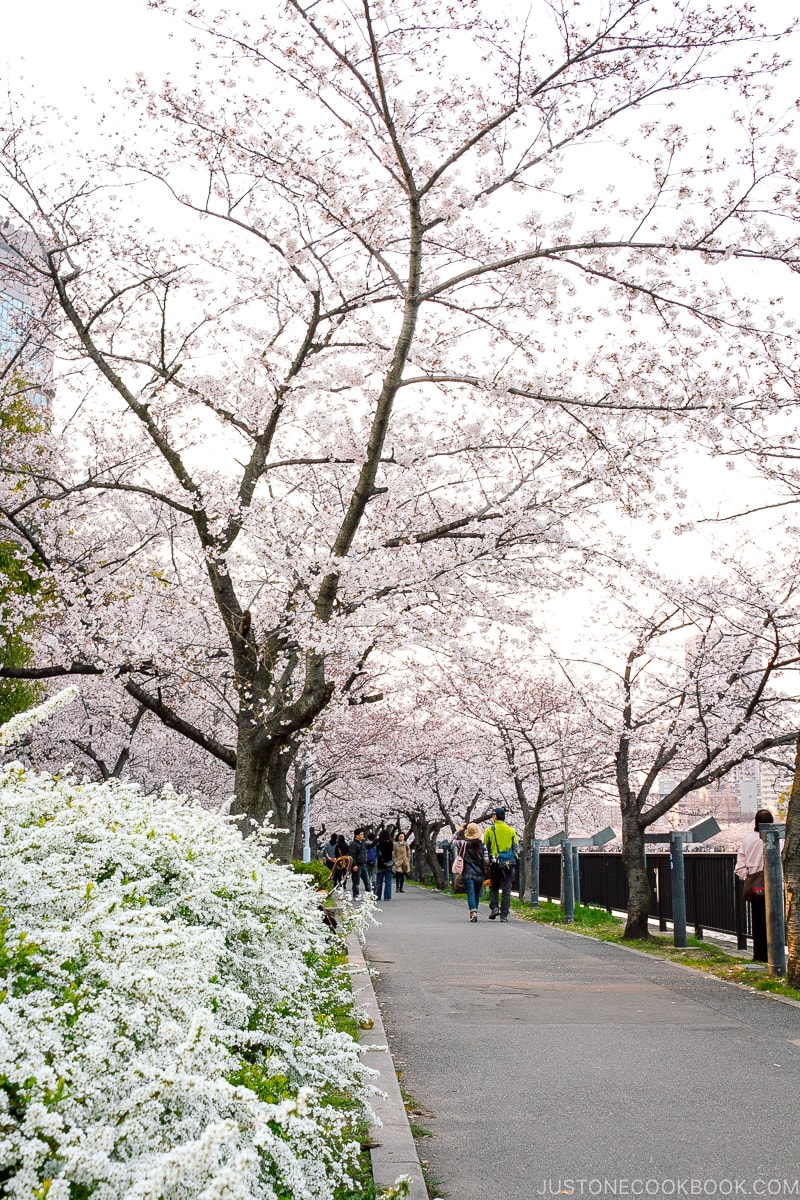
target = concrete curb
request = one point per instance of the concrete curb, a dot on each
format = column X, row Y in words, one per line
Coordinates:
column 395, row 1152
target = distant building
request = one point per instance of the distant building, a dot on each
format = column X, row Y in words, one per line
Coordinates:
column 773, row 788
column 730, row 800
column 745, row 782
column 737, row 795
column 26, row 360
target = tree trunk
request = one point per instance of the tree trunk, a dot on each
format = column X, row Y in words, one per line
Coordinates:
column 262, row 792
column 528, row 834
column 633, row 857
column 791, row 872
column 425, row 835
column 299, row 806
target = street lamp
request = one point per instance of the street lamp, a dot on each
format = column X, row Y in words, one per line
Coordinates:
column 307, row 821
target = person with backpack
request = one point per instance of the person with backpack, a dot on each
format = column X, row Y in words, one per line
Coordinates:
column 371, row 843
column 385, row 852
column 501, row 843
column 474, row 865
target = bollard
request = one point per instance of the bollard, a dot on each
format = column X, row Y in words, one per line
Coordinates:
column 773, row 895
column 677, row 838
column 576, row 874
column 678, row 889
column 534, row 876
column 567, row 889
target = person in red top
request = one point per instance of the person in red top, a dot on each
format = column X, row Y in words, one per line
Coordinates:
column 750, row 861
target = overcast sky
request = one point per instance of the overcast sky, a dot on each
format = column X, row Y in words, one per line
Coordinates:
column 63, row 50
column 64, row 53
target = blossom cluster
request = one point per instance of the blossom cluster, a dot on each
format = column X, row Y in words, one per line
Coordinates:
column 166, row 1006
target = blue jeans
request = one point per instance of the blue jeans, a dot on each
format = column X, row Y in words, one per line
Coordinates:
column 383, row 886
column 360, row 875
column 474, row 889
column 501, row 880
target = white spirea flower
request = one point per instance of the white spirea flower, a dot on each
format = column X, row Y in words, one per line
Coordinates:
column 165, row 993
column 15, row 729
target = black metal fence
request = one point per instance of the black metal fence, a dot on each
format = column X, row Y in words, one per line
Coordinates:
column 713, row 892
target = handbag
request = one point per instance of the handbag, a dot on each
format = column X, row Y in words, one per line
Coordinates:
column 506, row 860
column 753, row 886
column 458, row 864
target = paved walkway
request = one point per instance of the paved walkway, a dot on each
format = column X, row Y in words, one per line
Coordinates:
column 552, row 1064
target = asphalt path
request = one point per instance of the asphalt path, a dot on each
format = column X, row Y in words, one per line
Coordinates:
column 550, row 1064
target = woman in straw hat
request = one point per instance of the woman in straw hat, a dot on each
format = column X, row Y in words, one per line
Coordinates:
column 476, row 866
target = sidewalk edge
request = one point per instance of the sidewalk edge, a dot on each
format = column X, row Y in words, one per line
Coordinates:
column 395, row 1151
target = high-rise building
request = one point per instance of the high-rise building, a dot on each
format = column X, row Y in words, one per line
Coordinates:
column 26, row 360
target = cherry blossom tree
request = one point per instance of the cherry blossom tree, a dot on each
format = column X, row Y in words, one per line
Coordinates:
column 359, row 372
column 791, row 870
column 546, row 753
column 702, row 688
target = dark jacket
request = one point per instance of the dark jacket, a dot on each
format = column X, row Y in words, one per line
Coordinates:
column 476, row 859
column 358, row 852
column 385, row 854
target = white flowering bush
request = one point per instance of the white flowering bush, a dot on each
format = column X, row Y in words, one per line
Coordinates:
column 167, row 1000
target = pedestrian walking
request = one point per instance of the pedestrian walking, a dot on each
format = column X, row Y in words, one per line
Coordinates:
column 371, row 844
column 385, row 849
column 750, row 868
column 358, row 853
column 401, row 859
column 500, row 840
column 475, row 865
column 342, row 864
column 329, row 852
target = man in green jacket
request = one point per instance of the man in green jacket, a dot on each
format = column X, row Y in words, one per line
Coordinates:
column 501, row 842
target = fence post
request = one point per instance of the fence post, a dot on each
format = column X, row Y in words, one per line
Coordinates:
column 698, row 928
column 773, row 894
column 662, row 872
column 676, row 866
column 576, row 874
column 567, row 884
column 534, row 875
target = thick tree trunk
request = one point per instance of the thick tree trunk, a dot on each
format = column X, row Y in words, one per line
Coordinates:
column 425, row 836
column 299, row 806
column 633, row 857
column 262, row 793
column 791, row 871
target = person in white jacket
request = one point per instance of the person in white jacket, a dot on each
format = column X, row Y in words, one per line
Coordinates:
column 750, row 861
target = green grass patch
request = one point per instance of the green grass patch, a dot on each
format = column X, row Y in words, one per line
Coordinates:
column 594, row 921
